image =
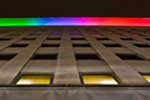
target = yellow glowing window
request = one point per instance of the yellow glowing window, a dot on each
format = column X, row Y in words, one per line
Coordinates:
column 99, row 80
column 34, row 80
column 147, row 77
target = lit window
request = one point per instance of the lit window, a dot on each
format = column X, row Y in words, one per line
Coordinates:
column 147, row 77
column 99, row 80
column 34, row 80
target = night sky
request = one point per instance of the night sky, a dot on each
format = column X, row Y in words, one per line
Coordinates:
column 61, row 8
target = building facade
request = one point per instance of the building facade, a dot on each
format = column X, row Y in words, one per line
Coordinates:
column 74, row 63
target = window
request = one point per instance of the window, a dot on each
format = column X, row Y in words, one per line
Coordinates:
column 129, row 57
column 147, row 39
column 57, row 34
column 35, row 34
column 98, row 80
column 87, row 57
column 7, row 56
column 34, row 80
column 18, row 45
column 111, row 45
column 50, row 45
column 128, row 39
column 15, row 34
column 104, row 38
column 54, row 38
column 147, row 77
column 75, row 34
column 4, row 39
column 28, row 38
column 142, row 45
column 78, row 38
column 44, row 56
column 81, row 45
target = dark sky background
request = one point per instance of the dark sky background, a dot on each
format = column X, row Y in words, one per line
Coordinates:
column 61, row 8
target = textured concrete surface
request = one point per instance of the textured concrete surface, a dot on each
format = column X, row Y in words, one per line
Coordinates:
column 74, row 93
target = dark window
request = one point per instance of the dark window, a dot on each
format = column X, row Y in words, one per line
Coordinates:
column 55, row 34
column 28, row 38
column 142, row 45
column 81, row 45
column 54, row 38
column 35, row 34
column 129, row 57
column 14, row 34
column 111, row 45
column 126, row 39
column 7, row 56
column 102, row 38
column 44, row 56
column 148, row 39
column 18, row 45
column 50, row 45
column 4, row 39
column 79, row 38
column 75, row 34
column 87, row 57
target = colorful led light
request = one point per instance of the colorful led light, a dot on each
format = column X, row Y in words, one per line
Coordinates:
column 75, row 21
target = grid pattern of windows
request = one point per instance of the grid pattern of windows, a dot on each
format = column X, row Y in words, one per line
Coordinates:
column 76, row 56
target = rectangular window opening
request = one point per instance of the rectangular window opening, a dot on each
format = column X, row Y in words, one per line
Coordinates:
column 147, row 39
column 147, row 77
column 78, row 38
column 7, row 56
column 34, row 80
column 129, row 57
column 50, row 45
column 44, row 57
column 127, row 39
column 101, row 39
column 28, row 38
column 54, row 38
column 111, row 45
column 98, row 80
column 142, row 45
column 4, row 39
column 18, row 45
column 87, row 57
column 81, row 45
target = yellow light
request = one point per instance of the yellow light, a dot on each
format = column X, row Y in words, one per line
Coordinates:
column 99, row 80
column 34, row 80
column 147, row 77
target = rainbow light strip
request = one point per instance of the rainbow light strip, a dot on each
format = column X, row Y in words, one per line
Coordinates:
column 75, row 21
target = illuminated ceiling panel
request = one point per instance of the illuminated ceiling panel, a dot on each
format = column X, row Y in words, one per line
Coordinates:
column 75, row 21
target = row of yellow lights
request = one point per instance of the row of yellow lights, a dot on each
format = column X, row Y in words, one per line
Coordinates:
column 87, row 80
